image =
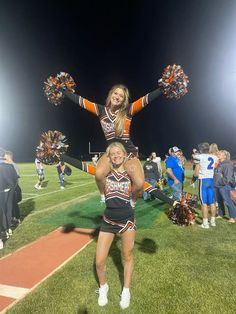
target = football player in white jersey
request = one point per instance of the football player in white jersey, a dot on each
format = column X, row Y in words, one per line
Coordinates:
column 204, row 171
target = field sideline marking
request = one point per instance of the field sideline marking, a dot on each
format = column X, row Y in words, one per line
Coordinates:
column 28, row 175
column 12, row 291
column 62, row 205
column 76, row 186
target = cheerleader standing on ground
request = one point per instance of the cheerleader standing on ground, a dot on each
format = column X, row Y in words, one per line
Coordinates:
column 115, row 118
column 118, row 219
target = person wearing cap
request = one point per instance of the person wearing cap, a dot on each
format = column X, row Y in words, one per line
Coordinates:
column 8, row 181
column 204, row 171
column 175, row 173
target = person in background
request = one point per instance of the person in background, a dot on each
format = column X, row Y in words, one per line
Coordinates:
column 8, row 181
column 40, row 174
column 9, row 159
column 118, row 219
column 157, row 160
column 175, row 173
column 214, row 150
column 95, row 160
column 204, row 172
column 17, row 193
column 61, row 174
column 182, row 160
column 194, row 152
column 224, row 181
column 151, row 175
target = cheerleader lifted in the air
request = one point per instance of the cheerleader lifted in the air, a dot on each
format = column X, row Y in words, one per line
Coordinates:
column 116, row 116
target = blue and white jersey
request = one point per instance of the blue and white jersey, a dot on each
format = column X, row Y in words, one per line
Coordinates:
column 207, row 164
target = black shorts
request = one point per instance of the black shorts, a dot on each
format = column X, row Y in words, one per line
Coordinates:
column 116, row 228
column 118, row 220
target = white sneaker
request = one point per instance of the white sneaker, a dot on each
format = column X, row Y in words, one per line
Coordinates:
column 213, row 223
column 1, row 244
column 36, row 186
column 205, row 226
column 9, row 231
column 125, row 299
column 102, row 199
column 102, row 298
column 62, row 188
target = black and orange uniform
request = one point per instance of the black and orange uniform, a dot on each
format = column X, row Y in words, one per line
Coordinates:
column 119, row 215
column 107, row 117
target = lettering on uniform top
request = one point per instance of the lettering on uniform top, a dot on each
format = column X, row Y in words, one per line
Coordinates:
column 107, row 127
column 112, row 186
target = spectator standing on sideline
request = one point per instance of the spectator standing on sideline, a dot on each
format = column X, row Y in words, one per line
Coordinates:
column 61, row 174
column 8, row 181
column 40, row 173
column 175, row 173
column 17, row 193
column 151, row 175
column 224, row 182
column 9, row 159
column 204, row 171
column 95, row 160
column 157, row 160
column 194, row 152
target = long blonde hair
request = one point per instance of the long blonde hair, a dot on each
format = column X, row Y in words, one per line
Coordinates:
column 121, row 115
column 213, row 149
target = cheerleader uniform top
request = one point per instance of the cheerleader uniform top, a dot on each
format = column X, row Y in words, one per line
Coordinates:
column 117, row 195
column 107, row 117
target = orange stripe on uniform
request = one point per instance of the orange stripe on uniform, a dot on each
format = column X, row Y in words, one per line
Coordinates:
column 90, row 106
column 127, row 126
column 138, row 105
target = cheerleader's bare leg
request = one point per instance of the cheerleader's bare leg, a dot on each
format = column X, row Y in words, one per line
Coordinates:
column 135, row 171
column 102, row 170
column 127, row 239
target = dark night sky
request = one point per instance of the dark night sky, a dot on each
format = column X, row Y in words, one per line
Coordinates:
column 128, row 42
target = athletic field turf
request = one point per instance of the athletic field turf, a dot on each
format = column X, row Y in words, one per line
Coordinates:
column 177, row 269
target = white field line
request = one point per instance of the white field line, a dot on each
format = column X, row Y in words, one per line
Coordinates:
column 61, row 205
column 39, row 195
column 29, row 175
column 12, row 291
column 46, row 277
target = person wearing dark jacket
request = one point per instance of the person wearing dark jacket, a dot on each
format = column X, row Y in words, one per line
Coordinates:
column 224, row 181
column 8, row 181
column 151, row 174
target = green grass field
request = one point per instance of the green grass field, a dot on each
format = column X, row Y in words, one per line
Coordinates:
column 177, row 269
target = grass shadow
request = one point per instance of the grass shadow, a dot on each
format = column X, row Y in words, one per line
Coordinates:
column 26, row 208
column 45, row 184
